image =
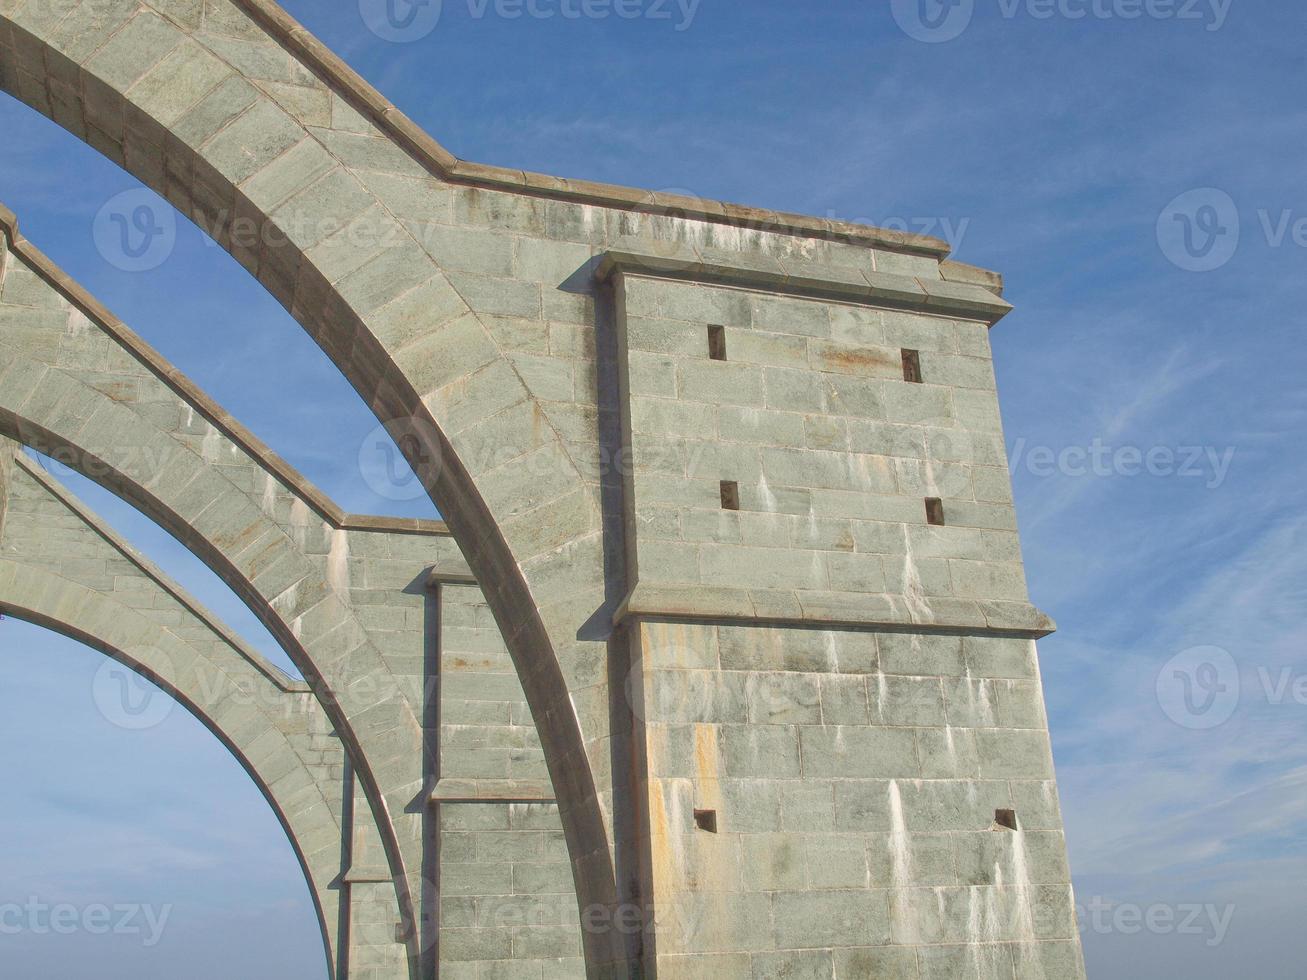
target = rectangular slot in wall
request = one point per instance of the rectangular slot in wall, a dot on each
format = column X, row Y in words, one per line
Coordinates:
column 716, row 342
column 730, row 495
column 706, row 820
column 1007, row 819
column 935, row 511
column 912, row 366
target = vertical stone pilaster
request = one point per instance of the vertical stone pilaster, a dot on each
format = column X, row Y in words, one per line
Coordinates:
column 7, row 450
column 833, row 684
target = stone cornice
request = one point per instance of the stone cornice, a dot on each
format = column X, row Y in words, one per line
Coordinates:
column 831, row 610
column 383, row 114
column 454, row 790
column 943, row 297
column 186, row 390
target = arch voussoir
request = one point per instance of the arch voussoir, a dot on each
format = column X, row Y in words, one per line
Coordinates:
column 102, row 403
column 273, row 726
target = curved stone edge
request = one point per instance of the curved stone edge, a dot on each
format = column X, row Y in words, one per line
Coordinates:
column 382, row 113
column 47, row 620
column 392, row 394
column 186, row 389
column 274, row 674
column 583, row 818
column 42, row 606
column 355, row 741
column 223, row 562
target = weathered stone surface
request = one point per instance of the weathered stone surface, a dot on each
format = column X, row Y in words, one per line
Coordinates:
column 851, row 689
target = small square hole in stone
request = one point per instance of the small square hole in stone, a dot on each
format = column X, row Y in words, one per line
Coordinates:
column 716, row 342
column 730, row 495
column 706, row 820
column 935, row 511
column 1007, row 819
column 912, row 366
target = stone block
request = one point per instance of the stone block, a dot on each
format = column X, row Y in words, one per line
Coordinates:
column 835, row 752
column 815, row 919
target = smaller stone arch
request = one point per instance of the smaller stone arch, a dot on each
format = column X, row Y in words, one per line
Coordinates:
column 89, row 585
column 86, row 389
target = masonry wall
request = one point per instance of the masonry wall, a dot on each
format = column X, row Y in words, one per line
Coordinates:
column 508, row 903
column 833, row 453
column 468, row 298
column 855, row 779
column 875, row 799
column 151, row 436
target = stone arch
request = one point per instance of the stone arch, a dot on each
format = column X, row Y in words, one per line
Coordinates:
column 518, row 356
column 256, row 137
column 265, row 719
column 80, row 386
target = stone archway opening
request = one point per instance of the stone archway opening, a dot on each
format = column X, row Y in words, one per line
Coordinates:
column 115, row 865
column 150, row 538
column 179, row 289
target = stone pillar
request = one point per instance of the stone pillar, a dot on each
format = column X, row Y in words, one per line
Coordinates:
column 841, row 759
column 7, row 450
column 507, row 900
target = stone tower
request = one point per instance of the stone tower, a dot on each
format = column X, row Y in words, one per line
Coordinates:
column 721, row 663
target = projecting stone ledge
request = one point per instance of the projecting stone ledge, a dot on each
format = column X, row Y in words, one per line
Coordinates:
column 492, row 791
column 755, row 270
column 693, row 603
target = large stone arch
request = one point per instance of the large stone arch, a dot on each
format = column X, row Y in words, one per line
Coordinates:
column 271, row 724
column 679, row 661
column 83, row 388
column 261, row 138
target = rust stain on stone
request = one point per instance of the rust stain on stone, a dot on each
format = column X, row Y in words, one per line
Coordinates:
column 245, row 537
column 705, row 752
column 119, row 391
column 857, row 360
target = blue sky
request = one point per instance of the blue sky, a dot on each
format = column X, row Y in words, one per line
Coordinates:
column 1052, row 147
